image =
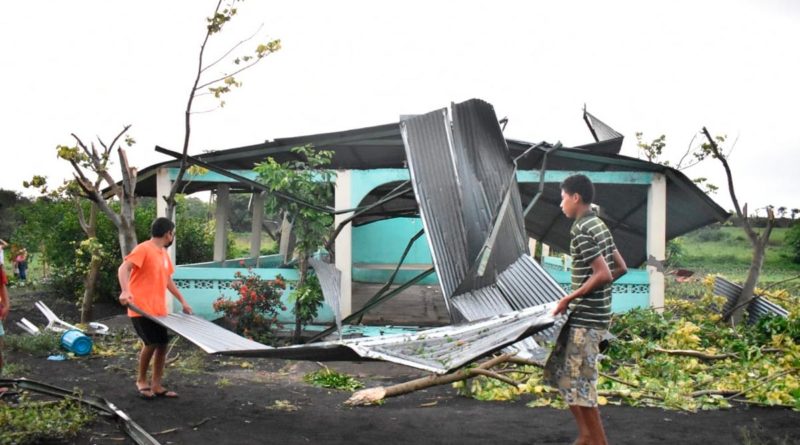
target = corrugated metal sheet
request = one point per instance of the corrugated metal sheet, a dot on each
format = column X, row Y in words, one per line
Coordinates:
column 432, row 169
column 465, row 185
column 437, row 350
column 757, row 308
column 330, row 279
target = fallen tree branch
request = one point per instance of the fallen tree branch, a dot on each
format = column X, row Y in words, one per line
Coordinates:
column 611, row 377
column 171, row 430
column 762, row 381
column 370, row 396
column 696, row 354
column 494, row 375
column 752, row 402
column 197, row 424
column 713, row 392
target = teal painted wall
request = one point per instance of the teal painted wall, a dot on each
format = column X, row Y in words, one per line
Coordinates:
column 382, row 243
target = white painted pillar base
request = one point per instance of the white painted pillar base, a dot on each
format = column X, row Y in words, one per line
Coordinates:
column 344, row 242
column 657, row 236
column 255, row 231
column 221, row 217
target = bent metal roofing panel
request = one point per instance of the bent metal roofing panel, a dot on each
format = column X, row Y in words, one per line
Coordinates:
column 437, row 350
column 465, row 185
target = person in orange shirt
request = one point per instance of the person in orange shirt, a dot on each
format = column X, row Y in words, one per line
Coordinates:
column 144, row 278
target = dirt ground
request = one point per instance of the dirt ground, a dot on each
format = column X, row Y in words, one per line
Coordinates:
column 229, row 400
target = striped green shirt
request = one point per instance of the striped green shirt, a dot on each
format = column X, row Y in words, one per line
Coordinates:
column 590, row 238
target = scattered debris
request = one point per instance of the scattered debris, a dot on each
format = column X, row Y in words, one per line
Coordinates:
column 103, row 406
column 283, row 405
column 756, row 308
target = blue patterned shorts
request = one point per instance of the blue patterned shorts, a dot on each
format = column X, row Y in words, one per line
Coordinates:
column 572, row 366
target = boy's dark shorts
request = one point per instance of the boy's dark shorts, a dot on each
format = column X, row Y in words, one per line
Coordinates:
column 149, row 331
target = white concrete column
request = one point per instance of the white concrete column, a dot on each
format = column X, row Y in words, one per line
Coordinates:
column 532, row 246
column 657, row 236
column 221, row 217
column 163, row 186
column 344, row 242
column 258, row 219
column 545, row 250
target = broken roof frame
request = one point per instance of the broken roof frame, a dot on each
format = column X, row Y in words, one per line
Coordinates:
column 483, row 207
column 511, row 284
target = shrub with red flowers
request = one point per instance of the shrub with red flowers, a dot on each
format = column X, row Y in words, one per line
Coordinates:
column 255, row 312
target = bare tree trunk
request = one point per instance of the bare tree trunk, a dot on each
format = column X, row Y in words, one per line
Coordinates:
column 90, row 282
column 749, row 287
column 298, row 322
column 127, row 232
column 759, row 242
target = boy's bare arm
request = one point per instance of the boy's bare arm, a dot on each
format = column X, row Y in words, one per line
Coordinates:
column 601, row 275
column 620, row 268
column 124, row 277
column 5, row 303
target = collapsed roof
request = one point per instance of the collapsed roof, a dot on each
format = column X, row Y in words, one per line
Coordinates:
column 624, row 206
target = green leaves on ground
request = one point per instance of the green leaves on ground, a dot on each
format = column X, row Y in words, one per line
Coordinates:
column 328, row 378
column 648, row 365
column 37, row 422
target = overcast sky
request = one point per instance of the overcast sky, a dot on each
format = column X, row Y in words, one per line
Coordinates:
column 668, row 67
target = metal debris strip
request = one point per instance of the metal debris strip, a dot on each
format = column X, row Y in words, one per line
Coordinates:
column 133, row 429
column 465, row 184
column 758, row 307
column 330, row 279
column 438, row 350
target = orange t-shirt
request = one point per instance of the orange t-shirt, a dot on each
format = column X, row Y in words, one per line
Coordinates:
column 149, row 278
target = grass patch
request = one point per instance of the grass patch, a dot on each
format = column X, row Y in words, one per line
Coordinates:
column 241, row 245
column 328, row 378
column 38, row 422
column 192, row 363
column 15, row 370
column 728, row 246
column 45, row 343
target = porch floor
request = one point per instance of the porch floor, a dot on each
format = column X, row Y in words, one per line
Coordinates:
column 420, row 305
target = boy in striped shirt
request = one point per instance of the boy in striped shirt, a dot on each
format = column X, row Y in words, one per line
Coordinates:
column 596, row 263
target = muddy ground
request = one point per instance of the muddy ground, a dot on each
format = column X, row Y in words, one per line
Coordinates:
column 227, row 400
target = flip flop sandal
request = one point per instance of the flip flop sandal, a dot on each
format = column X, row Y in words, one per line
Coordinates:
column 166, row 394
column 146, row 394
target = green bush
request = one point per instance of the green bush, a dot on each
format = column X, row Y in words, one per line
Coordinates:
column 53, row 232
column 43, row 344
column 792, row 240
column 712, row 233
column 307, row 300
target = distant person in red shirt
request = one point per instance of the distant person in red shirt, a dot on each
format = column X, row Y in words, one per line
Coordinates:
column 144, row 278
column 5, row 307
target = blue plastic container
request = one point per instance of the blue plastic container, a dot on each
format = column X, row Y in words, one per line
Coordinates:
column 77, row 342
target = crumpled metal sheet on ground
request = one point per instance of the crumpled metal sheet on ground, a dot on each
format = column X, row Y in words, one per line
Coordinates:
column 758, row 307
column 465, row 185
column 437, row 350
